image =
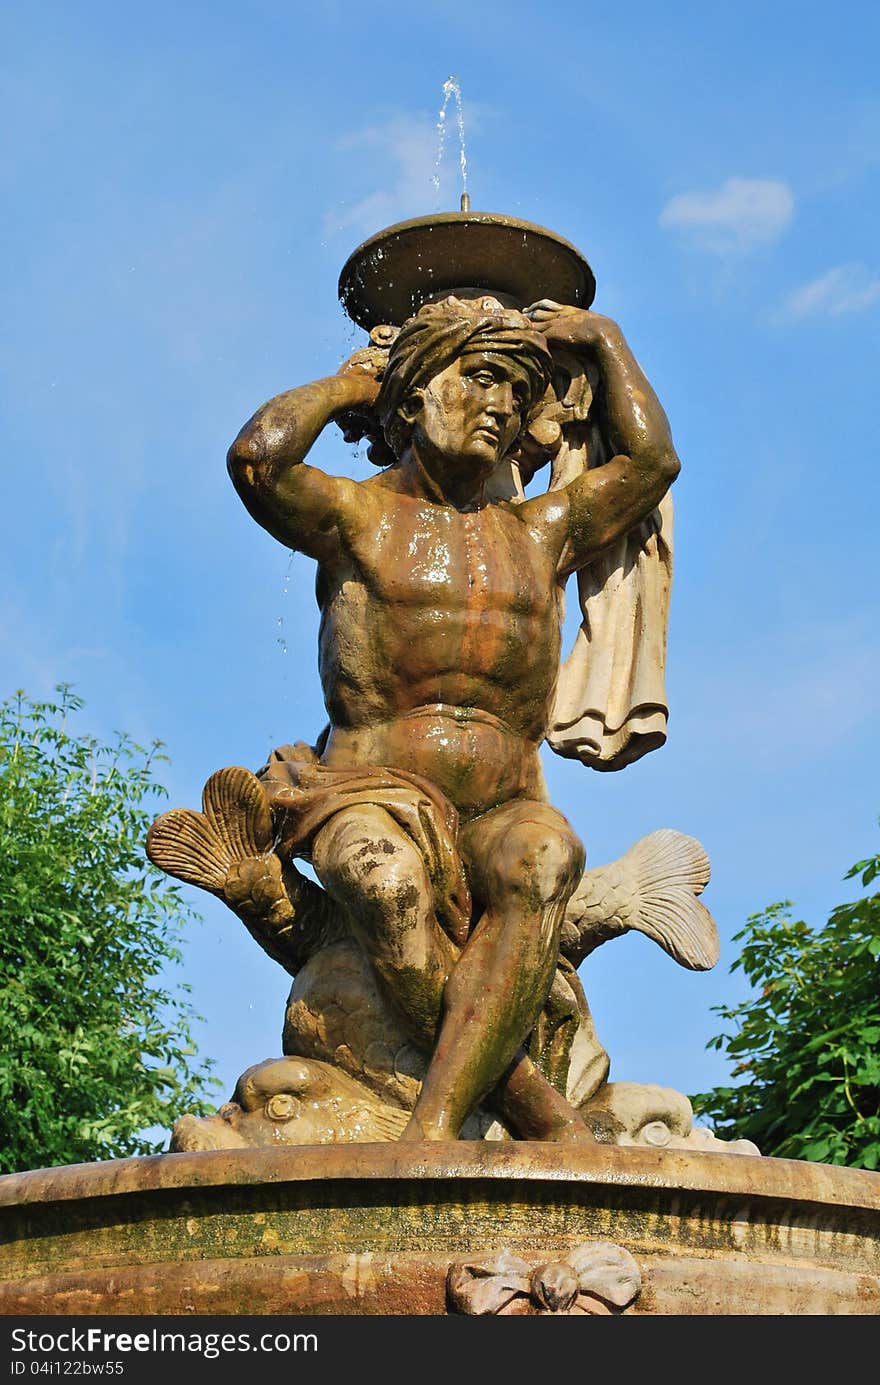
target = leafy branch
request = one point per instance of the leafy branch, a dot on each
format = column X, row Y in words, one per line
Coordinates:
column 806, row 1044
column 96, row 1045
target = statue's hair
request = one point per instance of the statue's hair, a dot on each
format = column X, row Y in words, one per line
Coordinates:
column 438, row 333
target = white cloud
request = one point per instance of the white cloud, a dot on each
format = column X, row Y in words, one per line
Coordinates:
column 848, row 288
column 741, row 214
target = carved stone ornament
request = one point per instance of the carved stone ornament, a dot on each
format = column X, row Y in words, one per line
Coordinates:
column 598, row 1279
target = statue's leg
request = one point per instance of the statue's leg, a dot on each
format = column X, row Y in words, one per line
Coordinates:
column 534, row 1109
column 524, row 862
column 368, row 864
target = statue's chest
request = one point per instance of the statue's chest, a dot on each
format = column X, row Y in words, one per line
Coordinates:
column 432, row 556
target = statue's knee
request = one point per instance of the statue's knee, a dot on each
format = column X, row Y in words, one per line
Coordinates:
column 541, row 860
column 331, row 847
column 393, row 883
column 375, row 867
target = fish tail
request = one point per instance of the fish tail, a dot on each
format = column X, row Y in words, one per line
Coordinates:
column 651, row 889
column 671, row 870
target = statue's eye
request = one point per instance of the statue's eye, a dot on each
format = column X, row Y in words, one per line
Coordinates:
column 281, row 1106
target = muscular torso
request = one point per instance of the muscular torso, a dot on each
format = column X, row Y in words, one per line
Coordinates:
column 440, row 645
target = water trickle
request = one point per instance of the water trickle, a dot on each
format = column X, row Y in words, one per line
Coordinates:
column 352, row 338
column 281, row 638
column 451, row 87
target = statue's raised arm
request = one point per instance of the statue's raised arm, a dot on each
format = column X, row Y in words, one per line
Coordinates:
column 298, row 504
column 603, row 503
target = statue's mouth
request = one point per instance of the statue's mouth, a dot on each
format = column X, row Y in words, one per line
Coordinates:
column 488, row 433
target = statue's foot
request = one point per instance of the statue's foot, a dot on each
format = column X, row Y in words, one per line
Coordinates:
column 549, row 1118
column 569, row 1133
column 572, row 1132
column 535, row 1110
column 416, row 1130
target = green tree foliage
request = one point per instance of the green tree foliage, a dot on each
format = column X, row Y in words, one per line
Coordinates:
column 95, row 1047
column 807, row 1044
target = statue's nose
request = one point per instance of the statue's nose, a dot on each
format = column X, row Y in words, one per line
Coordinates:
column 501, row 400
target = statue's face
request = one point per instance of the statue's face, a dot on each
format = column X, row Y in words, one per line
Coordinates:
column 472, row 412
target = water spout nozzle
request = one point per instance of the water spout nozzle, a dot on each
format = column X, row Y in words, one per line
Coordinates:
column 465, row 202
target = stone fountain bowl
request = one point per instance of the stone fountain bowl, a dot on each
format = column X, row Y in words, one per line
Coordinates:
column 397, row 270
column 376, row 1229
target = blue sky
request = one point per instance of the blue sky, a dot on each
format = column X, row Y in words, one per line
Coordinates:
column 181, row 188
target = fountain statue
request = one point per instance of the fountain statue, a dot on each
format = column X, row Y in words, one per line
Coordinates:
column 439, row 1134
column 436, row 993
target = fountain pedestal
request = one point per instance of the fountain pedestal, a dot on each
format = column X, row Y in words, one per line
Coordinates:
column 374, row 1229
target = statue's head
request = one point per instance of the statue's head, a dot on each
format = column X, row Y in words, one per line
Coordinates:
column 463, row 379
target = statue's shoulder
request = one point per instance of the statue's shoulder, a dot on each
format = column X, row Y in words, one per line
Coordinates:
column 516, row 513
column 389, row 480
column 367, row 498
column 379, row 506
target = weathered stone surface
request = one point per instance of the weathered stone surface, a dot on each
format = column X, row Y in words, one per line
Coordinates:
column 375, row 1229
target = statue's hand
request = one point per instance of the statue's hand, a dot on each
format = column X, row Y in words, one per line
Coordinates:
column 363, row 374
column 575, row 328
column 364, row 369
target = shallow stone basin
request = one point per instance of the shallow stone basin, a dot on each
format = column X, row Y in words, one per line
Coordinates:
column 374, row 1229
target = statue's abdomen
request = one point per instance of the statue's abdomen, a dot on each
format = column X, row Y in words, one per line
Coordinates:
column 439, row 654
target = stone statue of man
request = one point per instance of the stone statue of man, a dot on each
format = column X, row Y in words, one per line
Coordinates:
column 424, row 812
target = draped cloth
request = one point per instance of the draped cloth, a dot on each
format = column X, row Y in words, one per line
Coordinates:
column 610, row 705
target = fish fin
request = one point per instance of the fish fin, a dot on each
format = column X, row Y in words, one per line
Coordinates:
column 670, row 870
column 234, row 802
column 235, row 825
column 187, row 845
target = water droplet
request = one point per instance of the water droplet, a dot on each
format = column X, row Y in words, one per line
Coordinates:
column 280, row 639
